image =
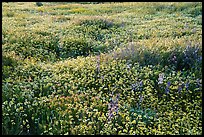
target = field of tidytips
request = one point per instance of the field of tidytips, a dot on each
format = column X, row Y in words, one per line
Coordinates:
column 102, row 68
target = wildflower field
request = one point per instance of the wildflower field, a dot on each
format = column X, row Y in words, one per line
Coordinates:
column 124, row 68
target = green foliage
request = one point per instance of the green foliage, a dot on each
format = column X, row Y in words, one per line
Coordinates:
column 136, row 69
column 39, row 4
column 102, row 24
column 146, row 115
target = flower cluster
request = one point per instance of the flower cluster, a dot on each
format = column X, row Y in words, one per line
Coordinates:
column 55, row 82
column 137, row 86
column 113, row 107
column 167, row 87
column 161, row 78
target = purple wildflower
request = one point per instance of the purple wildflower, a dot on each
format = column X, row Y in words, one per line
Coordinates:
column 141, row 98
column 137, row 85
column 117, row 97
column 110, row 105
column 110, row 115
column 141, row 83
column 134, row 87
column 168, row 84
column 179, row 88
column 113, row 107
column 116, row 110
column 167, row 87
column 183, row 85
column 102, row 77
column 167, row 90
column 187, row 85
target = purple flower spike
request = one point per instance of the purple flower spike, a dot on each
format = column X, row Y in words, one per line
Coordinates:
column 167, row 90
column 113, row 106
column 167, row 87
column 179, row 89
column 187, row 86
column 141, row 83
column 141, row 98
column 168, row 84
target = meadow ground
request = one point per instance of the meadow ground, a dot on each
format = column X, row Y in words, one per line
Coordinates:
column 102, row 68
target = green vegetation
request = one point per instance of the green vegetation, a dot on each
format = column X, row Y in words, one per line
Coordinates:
column 102, row 68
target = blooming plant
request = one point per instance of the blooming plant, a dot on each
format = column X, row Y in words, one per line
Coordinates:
column 101, row 68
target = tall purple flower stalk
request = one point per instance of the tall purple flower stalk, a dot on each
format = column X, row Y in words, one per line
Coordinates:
column 137, row 85
column 187, row 85
column 98, row 63
column 134, row 86
column 180, row 87
column 141, row 98
column 113, row 107
column 167, row 87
